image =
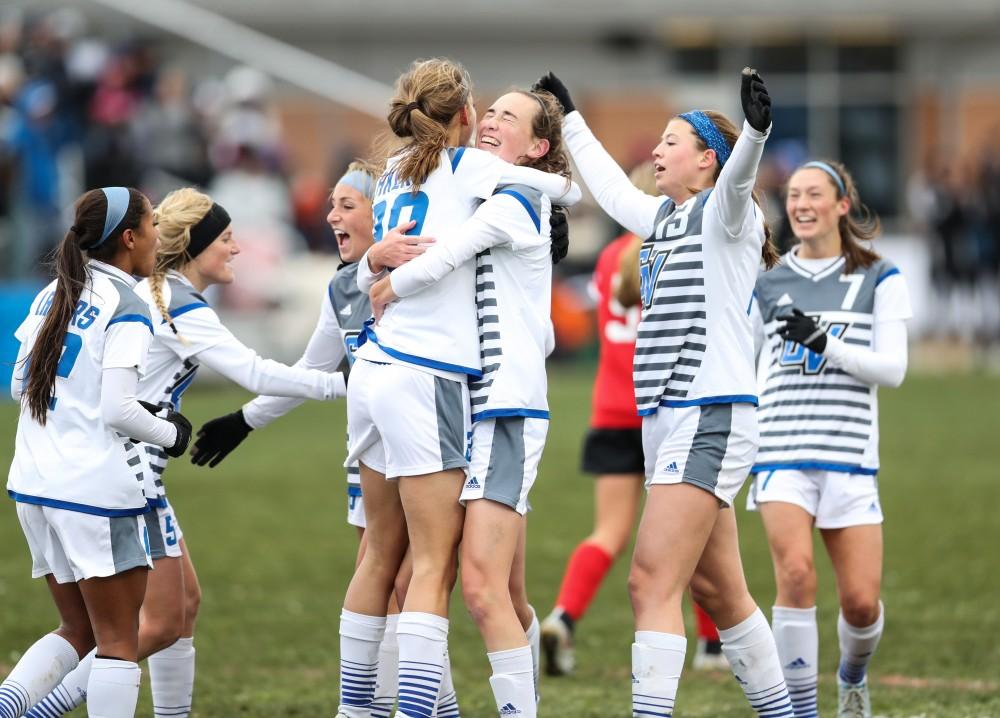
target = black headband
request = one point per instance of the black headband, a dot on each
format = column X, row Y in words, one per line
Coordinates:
column 208, row 229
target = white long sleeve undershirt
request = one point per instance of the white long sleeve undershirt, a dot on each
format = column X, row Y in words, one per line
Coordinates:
column 121, row 410
column 883, row 365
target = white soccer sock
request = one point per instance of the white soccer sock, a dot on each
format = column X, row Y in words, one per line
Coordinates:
column 171, row 678
column 512, row 682
column 69, row 694
column 857, row 646
column 387, row 677
column 447, row 704
column 40, row 669
column 534, row 636
column 423, row 642
column 360, row 637
column 750, row 648
column 113, row 689
column 657, row 662
column 797, row 639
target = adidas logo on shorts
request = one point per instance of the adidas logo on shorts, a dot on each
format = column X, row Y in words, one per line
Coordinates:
column 672, row 468
column 509, row 709
column 472, row 483
column 797, row 663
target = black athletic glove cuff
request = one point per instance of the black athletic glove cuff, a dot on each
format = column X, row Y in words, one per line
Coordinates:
column 183, row 434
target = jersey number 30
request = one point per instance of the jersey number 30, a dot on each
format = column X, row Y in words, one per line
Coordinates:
column 416, row 203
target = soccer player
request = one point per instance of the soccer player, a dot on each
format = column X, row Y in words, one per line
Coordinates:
column 408, row 398
column 343, row 311
column 831, row 324
column 507, row 241
column 196, row 248
column 76, row 475
column 694, row 385
column 612, row 452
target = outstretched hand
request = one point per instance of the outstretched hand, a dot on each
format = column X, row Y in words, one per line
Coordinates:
column 550, row 83
column 756, row 101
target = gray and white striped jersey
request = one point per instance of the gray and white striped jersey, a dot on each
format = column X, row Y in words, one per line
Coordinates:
column 697, row 271
column 812, row 414
column 507, row 242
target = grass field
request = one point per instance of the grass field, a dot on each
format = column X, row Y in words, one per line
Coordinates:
column 274, row 554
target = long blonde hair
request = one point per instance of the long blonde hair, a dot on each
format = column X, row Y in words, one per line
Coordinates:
column 179, row 211
column 427, row 98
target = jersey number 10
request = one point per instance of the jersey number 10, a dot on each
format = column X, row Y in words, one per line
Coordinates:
column 417, row 204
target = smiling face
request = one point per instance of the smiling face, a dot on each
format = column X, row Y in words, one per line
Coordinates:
column 506, row 129
column 213, row 264
column 350, row 218
column 678, row 162
column 813, row 208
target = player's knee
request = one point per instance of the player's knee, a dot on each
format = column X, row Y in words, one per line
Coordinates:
column 797, row 578
column 640, row 582
column 161, row 632
column 860, row 608
column 481, row 597
column 80, row 636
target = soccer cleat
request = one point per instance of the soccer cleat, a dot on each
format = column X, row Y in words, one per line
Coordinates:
column 853, row 700
column 557, row 644
column 708, row 656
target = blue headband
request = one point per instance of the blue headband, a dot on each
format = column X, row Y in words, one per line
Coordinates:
column 361, row 181
column 708, row 132
column 118, row 199
column 816, row 164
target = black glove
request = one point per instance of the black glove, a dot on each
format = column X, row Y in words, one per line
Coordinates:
column 152, row 408
column 804, row 330
column 218, row 437
column 559, row 233
column 756, row 101
column 550, row 83
column 183, row 433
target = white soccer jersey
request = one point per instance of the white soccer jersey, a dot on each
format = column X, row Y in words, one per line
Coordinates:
column 202, row 338
column 76, row 461
column 697, row 272
column 814, row 415
column 508, row 239
column 436, row 329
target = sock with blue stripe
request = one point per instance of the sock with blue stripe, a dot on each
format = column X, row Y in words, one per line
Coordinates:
column 113, row 688
column 657, row 662
column 797, row 638
column 534, row 635
column 40, row 669
column 857, row 646
column 69, row 694
column 423, row 642
column 387, row 678
column 750, row 648
column 360, row 637
column 171, row 678
column 447, row 705
column 513, row 682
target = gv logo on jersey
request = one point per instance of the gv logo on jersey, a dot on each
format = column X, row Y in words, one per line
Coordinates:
column 650, row 265
column 794, row 354
column 351, row 342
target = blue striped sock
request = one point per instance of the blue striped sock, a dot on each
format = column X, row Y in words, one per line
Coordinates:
column 857, row 646
column 423, row 640
column 753, row 655
column 797, row 638
column 57, row 703
column 14, row 699
column 360, row 636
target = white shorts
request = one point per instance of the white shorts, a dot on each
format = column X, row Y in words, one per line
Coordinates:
column 505, row 454
column 835, row 498
column 405, row 422
column 164, row 532
column 712, row 446
column 73, row 546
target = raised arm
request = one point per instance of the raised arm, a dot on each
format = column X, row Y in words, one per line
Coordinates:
column 734, row 188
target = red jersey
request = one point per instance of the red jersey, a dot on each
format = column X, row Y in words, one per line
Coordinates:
column 614, row 396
